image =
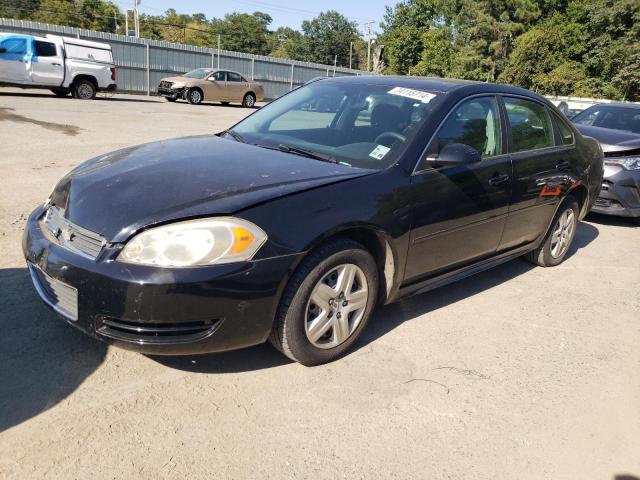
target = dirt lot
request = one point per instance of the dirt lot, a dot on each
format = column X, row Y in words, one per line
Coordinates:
column 519, row 372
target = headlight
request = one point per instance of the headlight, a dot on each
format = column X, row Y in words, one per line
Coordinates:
column 629, row 163
column 208, row 241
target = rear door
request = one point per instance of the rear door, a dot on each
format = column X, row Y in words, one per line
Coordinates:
column 540, row 167
column 47, row 66
column 14, row 59
column 459, row 211
column 236, row 86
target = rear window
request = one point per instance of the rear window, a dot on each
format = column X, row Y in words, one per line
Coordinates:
column 530, row 125
column 566, row 135
column 45, row 49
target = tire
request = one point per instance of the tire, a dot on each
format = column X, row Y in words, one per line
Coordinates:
column 60, row 92
column 337, row 326
column 84, row 90
column 249, row 100
column 565, row 224
column 170, row 99
column 194, row 96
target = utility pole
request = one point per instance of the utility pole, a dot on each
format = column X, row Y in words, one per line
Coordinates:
column 335, row 63
column 350, row 53
column 368, row 33
column 218, row 51
column 115, row 22
column 136, row 17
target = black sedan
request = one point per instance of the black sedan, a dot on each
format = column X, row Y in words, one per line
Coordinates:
column 292, row 225
column 617, row 128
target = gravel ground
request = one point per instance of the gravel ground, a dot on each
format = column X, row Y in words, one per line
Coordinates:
column 518, row 372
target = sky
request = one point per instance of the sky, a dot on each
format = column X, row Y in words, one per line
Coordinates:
column 285, row 13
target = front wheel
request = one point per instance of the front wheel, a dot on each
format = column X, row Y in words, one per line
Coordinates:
column 194, row 96
column 559, row 238
column 327, row 303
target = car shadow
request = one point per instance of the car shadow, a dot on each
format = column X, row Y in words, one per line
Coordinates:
column 389, row 317
column 42, row 359
column 611, row 220
column 385, row 319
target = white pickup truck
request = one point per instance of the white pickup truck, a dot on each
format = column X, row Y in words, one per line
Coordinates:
column 61, row 64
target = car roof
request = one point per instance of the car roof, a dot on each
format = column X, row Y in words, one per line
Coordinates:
column 617, row 105
column 442, row 85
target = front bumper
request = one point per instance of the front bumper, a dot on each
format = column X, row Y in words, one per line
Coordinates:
column 620, row 194
column 157, row 310
column 171, row 92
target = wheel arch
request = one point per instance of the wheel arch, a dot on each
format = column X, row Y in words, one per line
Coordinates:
column 581, row 194
column 378, row 243
column 84, row 76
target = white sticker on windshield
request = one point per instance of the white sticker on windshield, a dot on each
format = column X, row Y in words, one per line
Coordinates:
column 379, row 152
column 424, row 97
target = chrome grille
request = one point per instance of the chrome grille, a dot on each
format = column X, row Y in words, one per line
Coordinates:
column 73, row 236
column 61, row 297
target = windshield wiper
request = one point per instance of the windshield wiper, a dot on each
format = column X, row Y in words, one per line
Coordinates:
column 300, row 151
column 236, row 136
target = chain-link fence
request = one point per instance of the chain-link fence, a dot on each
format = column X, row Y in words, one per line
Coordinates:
column 141, row 63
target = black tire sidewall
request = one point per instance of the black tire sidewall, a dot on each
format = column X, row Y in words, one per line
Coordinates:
column 545, row 253
column 295, row 342
column 189, row 96
column 77, row 87
column 244, row 101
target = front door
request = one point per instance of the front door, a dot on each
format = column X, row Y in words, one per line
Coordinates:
column 47, row 66
column 13, row 60
column 459, row 211
column 215, row 90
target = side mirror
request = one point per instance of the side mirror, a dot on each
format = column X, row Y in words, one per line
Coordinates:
column 455, row 154
column 3, row 50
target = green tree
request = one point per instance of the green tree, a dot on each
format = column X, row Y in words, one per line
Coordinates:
column 437, row 54
column 329, row 35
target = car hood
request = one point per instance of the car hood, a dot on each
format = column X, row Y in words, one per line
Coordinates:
column 611, row 141
column 121, row 192
column 178, row 79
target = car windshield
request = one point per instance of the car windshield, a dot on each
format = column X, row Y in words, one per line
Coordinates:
column 613, row 117
column 198, row 73
column 357, row 124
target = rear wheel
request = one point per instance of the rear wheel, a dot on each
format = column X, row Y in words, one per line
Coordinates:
column 194, row 96
column 249, row 100
column 60, row 92
column 84, row 90
column 559, row 238
column 327, row 303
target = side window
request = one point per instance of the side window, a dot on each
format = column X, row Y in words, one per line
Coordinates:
column 45, row 49
column 233, row 77
column 530, row 125
column 16, row 46
column 475, row 123
column 219, row 76
column 566, row 135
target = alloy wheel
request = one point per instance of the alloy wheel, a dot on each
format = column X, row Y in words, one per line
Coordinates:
column 336, row 306
column 196, row 97
column 85, row 92
column 562, row 233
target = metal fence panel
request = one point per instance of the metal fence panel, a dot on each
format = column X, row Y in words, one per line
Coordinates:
column 167, row 59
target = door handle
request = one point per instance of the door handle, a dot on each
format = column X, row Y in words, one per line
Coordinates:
column 55, row 64
column 563, row 166
column 498, row 179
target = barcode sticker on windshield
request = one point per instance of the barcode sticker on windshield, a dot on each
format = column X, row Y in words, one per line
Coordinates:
column 424, row 97
column 379, row 152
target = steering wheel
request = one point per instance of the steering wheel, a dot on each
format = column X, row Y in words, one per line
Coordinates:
column 395, row 135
